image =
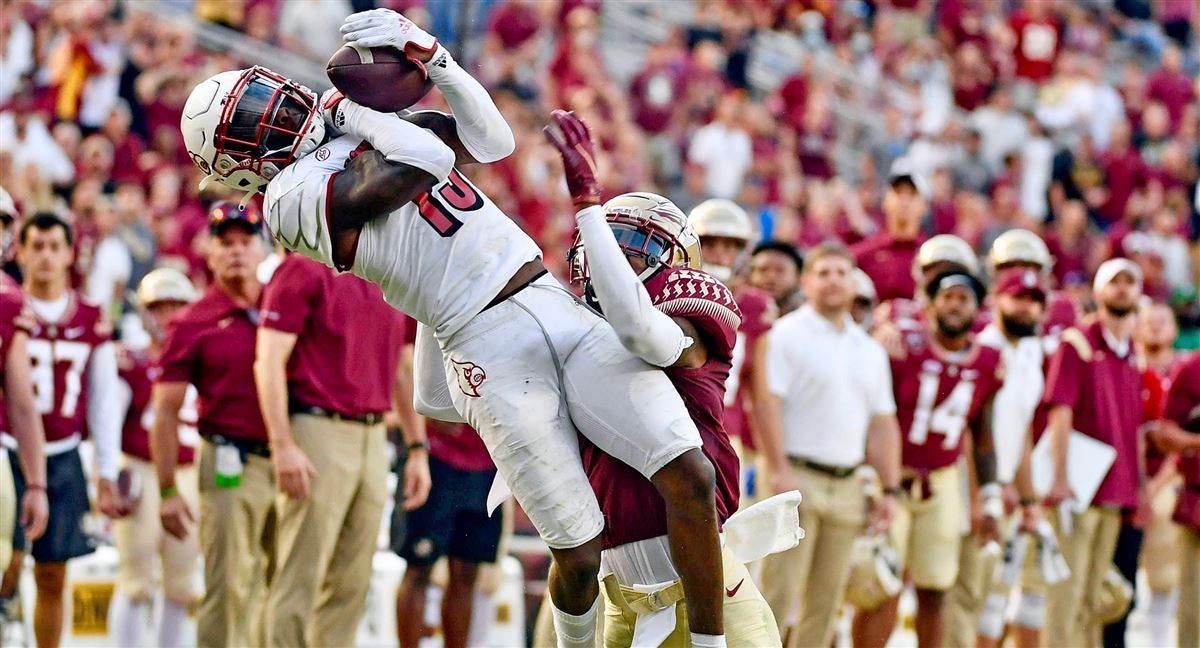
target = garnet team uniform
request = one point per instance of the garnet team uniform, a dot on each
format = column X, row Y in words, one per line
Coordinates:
column 1183, row 408
column 758, row 313
column 340, row 376
column 636, row 553
column 139, row 537
column 210, row 344
column 888, row 261
column 1102, row 385
column 14, row 318
column 529, row 372
column 73, row 370
column 940, row 396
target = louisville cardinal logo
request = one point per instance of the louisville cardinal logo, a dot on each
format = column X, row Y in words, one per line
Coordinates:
column 470, row 377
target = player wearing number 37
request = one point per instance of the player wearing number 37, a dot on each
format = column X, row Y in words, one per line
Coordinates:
column 501, row 346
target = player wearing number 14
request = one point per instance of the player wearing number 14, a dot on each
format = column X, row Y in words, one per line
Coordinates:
column 944, row 383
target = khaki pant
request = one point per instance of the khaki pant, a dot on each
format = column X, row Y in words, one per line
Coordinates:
column 964, row 601
column 237, row 540
column 806, row 584
column 1160, row 546
column 1189, row 587
column 142, row 545
column 928, row 533
column 8, row 509
column 1070, row 605
column 748, row 620
column 325, row 542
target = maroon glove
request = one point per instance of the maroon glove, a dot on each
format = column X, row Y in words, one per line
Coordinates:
column 570, row 135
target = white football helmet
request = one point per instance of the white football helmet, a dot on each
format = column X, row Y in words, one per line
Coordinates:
column 165, row 285
column 717, row 217
column 944, row 248
column 243, row 126
column 8, row 220
column 874, row 573
column 1019, row 246
column 646, row 225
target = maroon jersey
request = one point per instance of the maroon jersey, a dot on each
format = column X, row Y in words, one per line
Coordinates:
column 138, row 371
column 59, row 355
column 940, row 397
column 1103, row 390
column 632, row 508
column 14, row 316
column 1183, row 408
column 888, row 262
column 458, row 445
column 758, row 313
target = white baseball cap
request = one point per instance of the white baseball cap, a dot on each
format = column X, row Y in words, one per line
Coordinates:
column 1113, row 267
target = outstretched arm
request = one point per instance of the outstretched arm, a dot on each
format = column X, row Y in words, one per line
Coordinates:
column 477, row 124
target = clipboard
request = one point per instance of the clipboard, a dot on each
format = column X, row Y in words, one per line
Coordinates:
column 1088, row 463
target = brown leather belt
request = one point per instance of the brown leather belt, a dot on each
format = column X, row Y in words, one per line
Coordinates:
column 525, row 275
column 837, row 472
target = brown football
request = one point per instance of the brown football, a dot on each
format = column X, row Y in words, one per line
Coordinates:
column 380, row 78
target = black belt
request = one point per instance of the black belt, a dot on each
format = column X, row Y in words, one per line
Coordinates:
column 1195, row 488
column 371, row 418
column 248, row 446
column 506, row 294
column 837, row 472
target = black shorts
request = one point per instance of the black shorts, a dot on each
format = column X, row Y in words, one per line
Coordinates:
column 66, row 491
column 453, row 522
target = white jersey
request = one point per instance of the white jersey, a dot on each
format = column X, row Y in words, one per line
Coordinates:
column 1017, row 400
column 440, row 258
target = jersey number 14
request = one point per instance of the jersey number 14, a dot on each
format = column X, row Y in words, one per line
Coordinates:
column 949, row 418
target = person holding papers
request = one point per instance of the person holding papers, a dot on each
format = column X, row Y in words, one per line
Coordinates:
column 1094, row 388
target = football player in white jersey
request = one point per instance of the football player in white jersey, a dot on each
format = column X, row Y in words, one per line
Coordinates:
column 521, row 360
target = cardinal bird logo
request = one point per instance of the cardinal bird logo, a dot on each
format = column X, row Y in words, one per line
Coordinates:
column 470, row 377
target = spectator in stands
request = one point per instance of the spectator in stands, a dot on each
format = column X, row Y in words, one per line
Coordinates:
column 887, row 257
column 111, row 264
column 1124, row 172
column 309, row 27
column 722, row 149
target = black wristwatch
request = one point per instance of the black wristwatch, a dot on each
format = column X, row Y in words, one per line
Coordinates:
column 418, row 445
column 894, row 491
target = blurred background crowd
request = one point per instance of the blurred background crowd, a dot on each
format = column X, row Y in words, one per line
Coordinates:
column 1079, row 120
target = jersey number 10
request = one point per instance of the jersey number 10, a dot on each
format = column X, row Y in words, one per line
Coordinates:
column 441, row 206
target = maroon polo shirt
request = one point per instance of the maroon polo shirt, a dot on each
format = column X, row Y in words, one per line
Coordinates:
column 458, row 445
column 888, row 262
column 1183, row 407
column 348, row 339
column 210, row 344
column 1104, row 392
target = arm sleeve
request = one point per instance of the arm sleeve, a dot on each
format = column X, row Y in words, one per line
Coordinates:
column 290, row 297
column 397, row 139
column 104, row 409
column 646, row 331
column 478, row 121
column 431, row 392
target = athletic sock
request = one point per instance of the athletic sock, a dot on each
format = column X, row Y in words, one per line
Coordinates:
column 1161, row 613
column 575, row 631
column 128, row 619
column 170, row 624
column 708, row 641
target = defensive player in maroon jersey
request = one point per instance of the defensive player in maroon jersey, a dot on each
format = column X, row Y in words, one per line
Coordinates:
column 140, row 540
column 637, row 260
column 944, row 382
column 725, row 234
column 74, row 373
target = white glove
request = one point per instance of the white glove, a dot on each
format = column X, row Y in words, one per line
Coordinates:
column 385, row 28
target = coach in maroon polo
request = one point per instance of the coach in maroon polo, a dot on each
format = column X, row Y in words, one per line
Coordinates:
column 210, row 344
column 326, row 369
column 887, row 257
column 1094, row 386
